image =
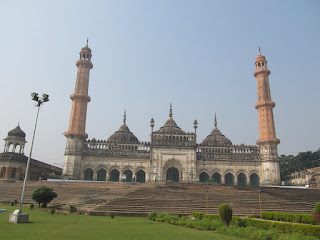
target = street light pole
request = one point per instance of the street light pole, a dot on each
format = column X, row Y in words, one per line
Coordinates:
column 45, row 98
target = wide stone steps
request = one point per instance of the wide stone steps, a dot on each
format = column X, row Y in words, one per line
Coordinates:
column 127, row 199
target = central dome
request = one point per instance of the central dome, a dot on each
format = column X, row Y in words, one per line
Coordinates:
column 216, row 138
column 123, row 135
column 170, row 127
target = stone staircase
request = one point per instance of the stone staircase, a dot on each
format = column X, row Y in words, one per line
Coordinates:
column 127, row 199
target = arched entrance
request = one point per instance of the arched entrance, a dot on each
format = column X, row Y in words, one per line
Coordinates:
column 3, row 171
column 204, row 177
column 216, row 177
column 114, row 175
column 88, row 174
column 229, row 179
column 242, row 179
column 128, row 174
column 141, row 176
column 102, row 175
column 254, row 179
column 172, row 175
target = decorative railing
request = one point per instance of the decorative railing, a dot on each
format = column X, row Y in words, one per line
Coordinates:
column 235, row 152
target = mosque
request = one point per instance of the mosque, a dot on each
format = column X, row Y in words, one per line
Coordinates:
column 172, row 154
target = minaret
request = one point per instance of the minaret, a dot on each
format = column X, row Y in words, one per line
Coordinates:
column 270, row 173
column 76, row 133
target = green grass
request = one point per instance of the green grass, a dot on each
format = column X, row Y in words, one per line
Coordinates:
column 44, row 225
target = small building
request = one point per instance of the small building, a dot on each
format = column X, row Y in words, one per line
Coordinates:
column 13, row 162
column 309, row 177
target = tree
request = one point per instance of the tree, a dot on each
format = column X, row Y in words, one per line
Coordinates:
column 225, row 211
column 43, row 196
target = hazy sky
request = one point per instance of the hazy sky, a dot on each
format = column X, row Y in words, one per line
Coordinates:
column 199, row 55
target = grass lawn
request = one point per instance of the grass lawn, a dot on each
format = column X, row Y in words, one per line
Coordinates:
column 44, row 225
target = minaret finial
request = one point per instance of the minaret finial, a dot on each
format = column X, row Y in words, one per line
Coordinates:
column 87, row 41
column 259, row 51
column 18, row 124
column 125, row 116
column 215, row 120
column 170, row 113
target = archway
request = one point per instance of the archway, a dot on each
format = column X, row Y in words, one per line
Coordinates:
column 141, row 176
column 114, row 175
column 242, row 179
column 229, row 179
column 128, row 174
column 3, row 171
column 216, row 177
column 172, row 175
column 88, row 174
column 102, row 175
column 254, row 179
column 204, row 177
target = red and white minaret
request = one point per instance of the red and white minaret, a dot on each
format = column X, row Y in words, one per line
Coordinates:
column 76, row 133
column 270, row 172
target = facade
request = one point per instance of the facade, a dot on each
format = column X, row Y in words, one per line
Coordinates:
column 13, row 162
column 309, row 177
column 171, row 154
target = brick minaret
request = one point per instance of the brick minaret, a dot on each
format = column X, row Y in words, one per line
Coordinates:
column 267, row 142
column 76, row 133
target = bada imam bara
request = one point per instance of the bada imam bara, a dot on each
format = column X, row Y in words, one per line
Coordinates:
column 172, row 154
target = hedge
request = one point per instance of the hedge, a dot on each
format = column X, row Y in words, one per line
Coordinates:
column 289, row 217
column 290, row 228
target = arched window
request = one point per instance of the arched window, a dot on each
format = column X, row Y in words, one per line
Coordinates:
column 229, row 179
column 141, row 176
column 128, row 174
column 13, row 172
column 216, row 177
column 102, row 175
column 88, row 174
column 242, row 179
column 114, row 175
column 204, row 177
column 254, row 179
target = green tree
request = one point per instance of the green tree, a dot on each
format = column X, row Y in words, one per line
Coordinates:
column 43, row 196
column 225, row 211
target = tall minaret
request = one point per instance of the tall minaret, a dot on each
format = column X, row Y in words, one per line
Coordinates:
column 76, row 133
column 270, row 172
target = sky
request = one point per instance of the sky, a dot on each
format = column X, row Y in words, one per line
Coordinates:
column 199, row 55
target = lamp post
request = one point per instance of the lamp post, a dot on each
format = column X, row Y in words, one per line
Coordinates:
column 17, row 216
column 207, row 204
column 260, row 204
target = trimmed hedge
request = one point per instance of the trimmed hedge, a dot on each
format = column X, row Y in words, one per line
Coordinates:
column 290, row 228
column 317, row 208
column 198, row 215
column 289, row 217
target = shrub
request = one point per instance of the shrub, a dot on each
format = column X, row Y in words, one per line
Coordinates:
column 289, row 217
column 73, row 209
column 53, row 210
column 43, row 196
column 112, row 215
column 317, row 208
column 284, row 227
column 225, row 211
column 152, row 216
column 179, row 215
column 15, row 202
column 31, row 206
column 211, row 216
column 12, row 204
column 198, row 215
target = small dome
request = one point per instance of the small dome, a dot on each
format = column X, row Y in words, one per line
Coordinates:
column 216, row 139
column 260, row 57
column 86, row 49
column 17, row 132
column 123, row 135
column 170, row 127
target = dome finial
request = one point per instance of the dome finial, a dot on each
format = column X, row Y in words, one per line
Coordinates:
column 259, row 51
column 125, row 116
column 87, row 41
column 215, row 120
column 170, row 112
